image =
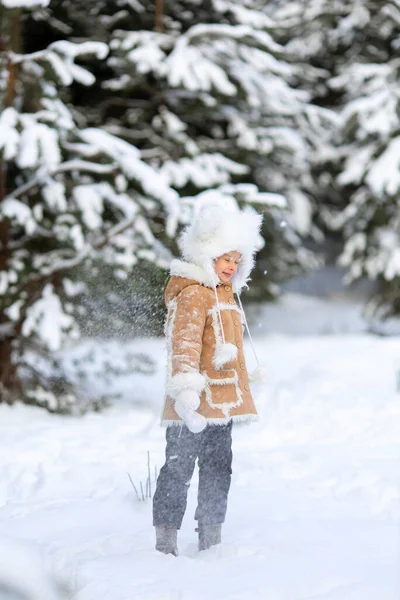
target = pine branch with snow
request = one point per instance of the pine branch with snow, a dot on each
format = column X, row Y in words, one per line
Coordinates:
column 362, row 167
column 68, row 194
column 223, row 105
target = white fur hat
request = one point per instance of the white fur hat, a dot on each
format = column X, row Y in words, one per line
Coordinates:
column 217, row 230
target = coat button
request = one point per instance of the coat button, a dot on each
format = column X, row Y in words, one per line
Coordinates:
column 239, row 345
column 246, row 387
column 236, row 324
column 231, row 301
column 242, row 365
column 227, row 288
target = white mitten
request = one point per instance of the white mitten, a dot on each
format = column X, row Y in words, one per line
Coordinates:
column 185, row 406
column 188, row 398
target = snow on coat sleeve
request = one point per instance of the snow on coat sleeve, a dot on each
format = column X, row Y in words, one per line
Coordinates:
column 185, row 327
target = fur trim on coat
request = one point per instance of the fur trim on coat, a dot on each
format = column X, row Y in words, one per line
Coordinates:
column 185, row 381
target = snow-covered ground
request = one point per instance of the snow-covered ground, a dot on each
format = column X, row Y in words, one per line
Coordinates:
column 314, row 508
column 298, row 314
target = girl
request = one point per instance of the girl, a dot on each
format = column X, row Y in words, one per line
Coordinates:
column 207, row 381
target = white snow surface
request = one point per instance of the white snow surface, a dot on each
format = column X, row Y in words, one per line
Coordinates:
column 314, row 506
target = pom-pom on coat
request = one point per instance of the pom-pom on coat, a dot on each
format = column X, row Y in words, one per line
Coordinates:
column 204, row 325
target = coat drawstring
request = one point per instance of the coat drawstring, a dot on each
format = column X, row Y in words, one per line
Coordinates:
column 219, row 310
column 247, row 328
column 244, row 319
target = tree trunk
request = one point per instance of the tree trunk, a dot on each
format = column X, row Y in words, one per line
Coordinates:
column 10, row 386
column 10, row 32
column 14, row 46
column 159, row 15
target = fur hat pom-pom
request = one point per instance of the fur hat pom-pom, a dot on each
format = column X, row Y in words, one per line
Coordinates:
column 224, row 354
column 259, row 375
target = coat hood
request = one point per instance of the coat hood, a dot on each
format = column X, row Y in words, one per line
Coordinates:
column 176, row 284
column 217, row 230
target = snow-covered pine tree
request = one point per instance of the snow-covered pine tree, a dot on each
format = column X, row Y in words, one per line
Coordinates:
column 358, row 43
column 68, row 194
column 369, row 165
column 75, row 195
column 269, row 141
column 221, row 102
column 366, row 155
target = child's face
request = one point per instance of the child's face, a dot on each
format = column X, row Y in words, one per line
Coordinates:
column 226, row 265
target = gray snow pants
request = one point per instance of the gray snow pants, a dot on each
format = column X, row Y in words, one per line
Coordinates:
column 213, row 448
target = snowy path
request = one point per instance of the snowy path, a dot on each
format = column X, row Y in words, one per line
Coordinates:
column 315, row 501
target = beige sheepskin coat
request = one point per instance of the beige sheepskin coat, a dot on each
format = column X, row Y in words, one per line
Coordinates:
column 204, row 325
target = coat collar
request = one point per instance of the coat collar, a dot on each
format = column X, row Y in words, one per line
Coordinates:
column 181, row 268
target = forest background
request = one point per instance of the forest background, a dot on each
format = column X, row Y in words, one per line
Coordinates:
column 120, row 119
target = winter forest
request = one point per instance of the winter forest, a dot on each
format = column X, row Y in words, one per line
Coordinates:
column 119, row 121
